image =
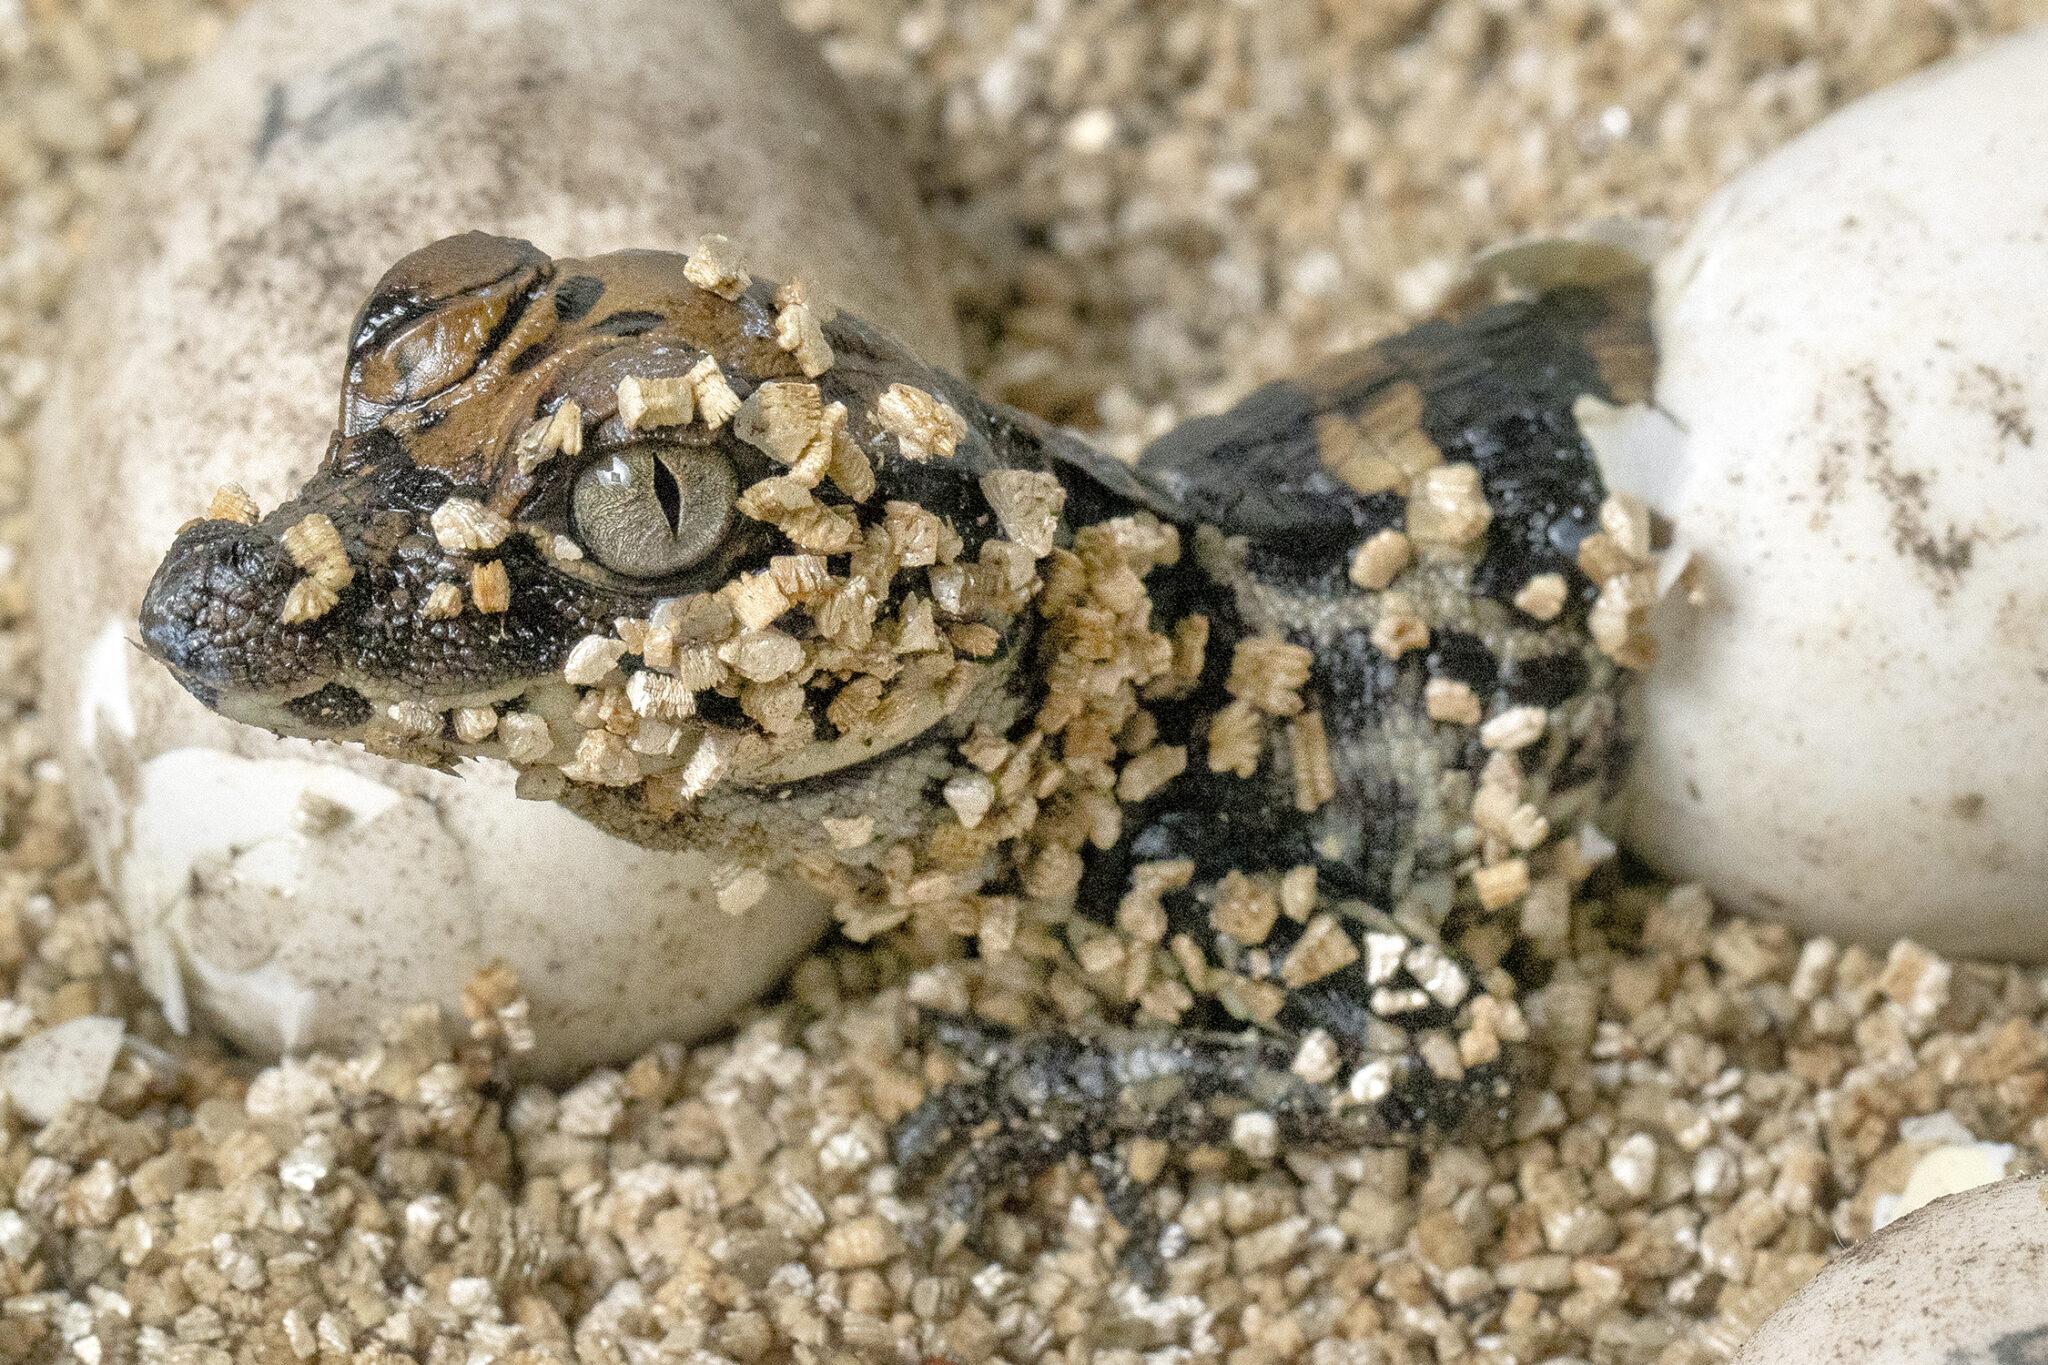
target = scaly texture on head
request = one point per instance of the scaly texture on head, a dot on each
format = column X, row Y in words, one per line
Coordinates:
column 696, row 555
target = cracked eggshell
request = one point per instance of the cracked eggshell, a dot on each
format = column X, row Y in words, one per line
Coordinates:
column 292, row 894
column 1963, row 1281
column 1849, row 732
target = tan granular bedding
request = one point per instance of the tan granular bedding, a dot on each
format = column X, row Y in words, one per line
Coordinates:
column 1151, row 207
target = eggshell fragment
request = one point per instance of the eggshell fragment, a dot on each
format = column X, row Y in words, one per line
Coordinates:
column 290, row 894
column 67, row 1063
column 1948, row 1169
column 1958, row 1283
column 1847, row 720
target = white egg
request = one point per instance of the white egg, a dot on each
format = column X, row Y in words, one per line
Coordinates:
column 292, row 894
column 1851, row 731
column 1963, row 1281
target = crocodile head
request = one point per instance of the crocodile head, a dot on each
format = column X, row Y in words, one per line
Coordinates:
column 639, row 524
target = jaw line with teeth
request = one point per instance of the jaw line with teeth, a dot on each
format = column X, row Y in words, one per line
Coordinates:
column 272, row 711
column 556, row 701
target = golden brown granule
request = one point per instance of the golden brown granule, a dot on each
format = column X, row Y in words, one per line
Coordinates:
column 824, row 530
column 783, row 419
column 1027, row 504
column 498, row 1015
column 1601, row 557
column 973, row 639
column 444, row 603
column 1619, row 620
column 1543, row 596
column 315, row 546
column 969, row 796
column 1626, row 521
column 740, row 889
column 648, row 404
column 925, row 427
column 231, row 502
column 558, row 433
column 1400, row 628
column 1451, row 701
column 1324, row 947
column 757, row 599
column 593, row 660
column 1381, row 559
column 1248, row 1000
column 849, row 469
column 799, row 329
column 490, row 587
column 799, row 577
column 1244, row 908
column 1447, row 507
column 313, row 543
column 1501, row 884
column 462, row 524
column 1267, row 674
column 1383, row 448
column 1515, row 728
column 1315, row 781
column 1298, row 892
column 526, row 737
column 658, row 696
column 713, row 396
column 715, row 265
column 699, row 667
column 1237, row 739
column 603, row 759
column 307, row 600
column 761, row 655
column 413, row 719
column 1141, row 912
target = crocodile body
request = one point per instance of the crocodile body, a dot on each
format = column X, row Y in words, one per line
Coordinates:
column 1281, row 740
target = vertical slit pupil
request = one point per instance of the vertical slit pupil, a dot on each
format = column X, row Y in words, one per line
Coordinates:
column 669, row 494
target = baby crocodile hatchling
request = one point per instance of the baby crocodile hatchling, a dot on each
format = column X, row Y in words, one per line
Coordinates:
column 1285, row 737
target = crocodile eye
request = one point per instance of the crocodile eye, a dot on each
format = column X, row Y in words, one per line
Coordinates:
column 648, row 511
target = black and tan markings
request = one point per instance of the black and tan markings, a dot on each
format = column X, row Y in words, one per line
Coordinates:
column 1279, row 744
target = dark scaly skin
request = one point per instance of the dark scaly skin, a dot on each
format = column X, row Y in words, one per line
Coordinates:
column 468, row 343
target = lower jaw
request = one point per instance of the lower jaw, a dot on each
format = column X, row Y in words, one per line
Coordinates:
column 405, row 726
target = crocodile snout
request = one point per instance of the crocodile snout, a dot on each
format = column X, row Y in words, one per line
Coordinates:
column 216, row 614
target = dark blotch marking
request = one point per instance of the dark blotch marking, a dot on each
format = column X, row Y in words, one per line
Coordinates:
column 1544, row 680
column 1459, row 657
column 412, row 488
column 1255, row 471
column 1497, row 391
column 630, row 323
column 576, row 296
column 1357, row 683
column 376, row 448
column 333, row 707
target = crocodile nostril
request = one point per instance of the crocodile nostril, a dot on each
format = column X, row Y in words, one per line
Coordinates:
column 333, row 707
